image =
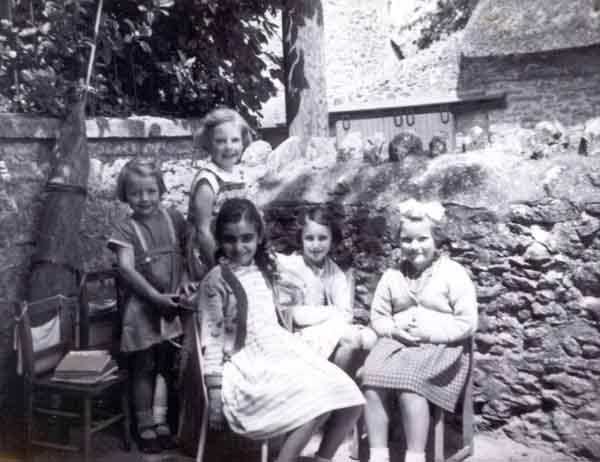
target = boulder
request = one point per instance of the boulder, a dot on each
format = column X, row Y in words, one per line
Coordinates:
column 374, row 149
column 257, row 153
column 437, row 146
column 321, row 151
column 404, row 144
column 478, row 138
column 591, row 134
column 351, row 147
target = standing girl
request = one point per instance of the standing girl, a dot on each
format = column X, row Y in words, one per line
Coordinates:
column 149, row 246
column 225, row 135
column 422, row 312
column 260, row 377
column 324, row 320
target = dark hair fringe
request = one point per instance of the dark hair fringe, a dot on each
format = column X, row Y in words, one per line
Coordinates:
column 324, row 216
column 233, row 211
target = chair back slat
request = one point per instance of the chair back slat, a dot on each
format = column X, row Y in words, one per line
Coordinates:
column 100, row 301
column 39, row 350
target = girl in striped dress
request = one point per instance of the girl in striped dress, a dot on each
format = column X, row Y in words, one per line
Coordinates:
column 422, row 312
column 264, row 380
column 224, row 135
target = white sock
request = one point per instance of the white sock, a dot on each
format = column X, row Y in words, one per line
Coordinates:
column 379, row 455
column 414, row 456
column 159, row 408
column 318, row 458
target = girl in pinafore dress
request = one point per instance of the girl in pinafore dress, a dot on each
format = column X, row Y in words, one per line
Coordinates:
column 324, row 319
column 422, row 312
column 149, row 246
column 264, row 380
column 225, row 135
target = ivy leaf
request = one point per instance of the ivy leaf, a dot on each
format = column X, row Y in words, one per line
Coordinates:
column 144, row 46
column 28, row 32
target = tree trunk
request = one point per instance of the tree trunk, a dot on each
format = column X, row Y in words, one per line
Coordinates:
column 304, row 67
column 57, row 260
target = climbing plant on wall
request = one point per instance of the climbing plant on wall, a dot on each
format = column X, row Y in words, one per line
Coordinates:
column 169, row 57
column 449, row 16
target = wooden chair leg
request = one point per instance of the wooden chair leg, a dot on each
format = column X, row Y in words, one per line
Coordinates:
column 28, row 423
column 438, row 434
column 86, row 430
column 355, row 445
column 125, row 409
column 264, row 451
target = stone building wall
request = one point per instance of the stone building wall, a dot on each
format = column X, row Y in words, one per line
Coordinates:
column 562, row 85
column 527, row 230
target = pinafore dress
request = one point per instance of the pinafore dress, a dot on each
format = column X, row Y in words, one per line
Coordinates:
column 162, row 266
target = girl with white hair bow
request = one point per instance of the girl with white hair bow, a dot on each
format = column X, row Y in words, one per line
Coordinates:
column 422, row 312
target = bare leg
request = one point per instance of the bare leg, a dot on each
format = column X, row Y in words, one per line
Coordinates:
column 414, row 410
column 298, row 439
column 337, row 429
column 347, row 356
column 377, row 416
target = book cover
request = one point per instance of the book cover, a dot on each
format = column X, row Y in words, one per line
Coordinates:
column 84, row 361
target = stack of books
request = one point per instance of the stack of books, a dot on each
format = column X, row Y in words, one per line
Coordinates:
column 85, row 367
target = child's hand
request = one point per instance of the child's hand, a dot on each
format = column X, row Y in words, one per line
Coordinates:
column 403, row 335
column 168, row 306
column 216, row 420
column 417, row 331
column 188, row 288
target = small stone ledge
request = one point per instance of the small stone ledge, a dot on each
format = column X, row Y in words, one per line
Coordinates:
column 15, row 126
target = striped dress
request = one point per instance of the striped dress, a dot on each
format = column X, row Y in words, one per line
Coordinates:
column 225, row 185
column 275, row 383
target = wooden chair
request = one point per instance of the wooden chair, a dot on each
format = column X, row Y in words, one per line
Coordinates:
column 70, row 402
column 100, row 300
column 462, row 446
column 444, row 444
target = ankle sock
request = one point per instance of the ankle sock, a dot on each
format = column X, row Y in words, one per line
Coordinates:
column 414, row 456
column 379, row 455
column 318, row 458
column 162, row 430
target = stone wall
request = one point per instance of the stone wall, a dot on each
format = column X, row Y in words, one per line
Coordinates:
column 526, row 229
column 25, row 149
column 562, row 85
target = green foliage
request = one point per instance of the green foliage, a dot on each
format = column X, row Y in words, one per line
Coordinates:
column 168, row 57
column 450, row 16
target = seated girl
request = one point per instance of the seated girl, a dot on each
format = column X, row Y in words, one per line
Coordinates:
column 324, row 320
column 422, row 312
column 264, row 380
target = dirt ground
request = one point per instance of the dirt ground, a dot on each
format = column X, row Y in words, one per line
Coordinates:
column 489, row 447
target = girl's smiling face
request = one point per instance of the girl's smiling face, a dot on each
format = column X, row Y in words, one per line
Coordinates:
column 226, row 145
column 417, row 243
column 239, row 242
column 143, row 194
column 316, row 242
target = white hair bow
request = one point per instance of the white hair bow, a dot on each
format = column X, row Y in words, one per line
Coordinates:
column 412, row 208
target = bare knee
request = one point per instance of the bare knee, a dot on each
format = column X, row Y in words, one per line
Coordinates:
column 351, row 339
column 368, row 338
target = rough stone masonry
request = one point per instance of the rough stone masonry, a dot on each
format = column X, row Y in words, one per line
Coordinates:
column 527, row 229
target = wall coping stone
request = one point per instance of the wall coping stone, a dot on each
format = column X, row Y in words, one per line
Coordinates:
column 23, row 126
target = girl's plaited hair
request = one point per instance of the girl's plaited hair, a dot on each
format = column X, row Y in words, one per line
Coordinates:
column 142, row 167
